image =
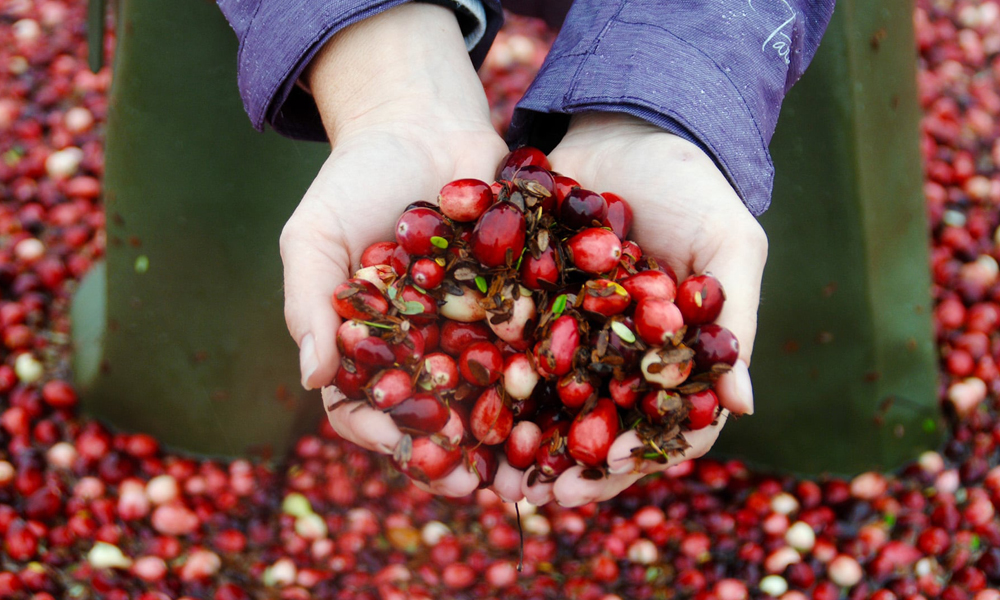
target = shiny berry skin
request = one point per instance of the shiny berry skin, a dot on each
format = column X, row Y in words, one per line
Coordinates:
column 625, row 393
column 351, row 381
column 575, row 389
column 491, row 420
column 422, row 413
column 540, row 273
column 594, row 250
column 389, row 388
column 409, row 351
column 582, row 208
column 481, row 364
column 554, row 355
column 483, row 460
column 400, row 261
column 428, row 460
column 650, row 284
column 522, row 157
column 440, row 372
column 373, row 353
column 416, row 228
column 563, row 187
column 605, row 297
column 700, row 299
column 715, row 345
column 428, row 306
column 358, row 299
column 464, row 200
column 498, row 233
column 619, row 215
column 519, row 376
column 522, row 444
column 593, row 432
column 349, row 334
column 379, row 253
column 657, row 321
column 427, row 273
column 456, row 337
column 704, row 406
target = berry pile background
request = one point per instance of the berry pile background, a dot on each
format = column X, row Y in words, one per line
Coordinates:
column 86, row 513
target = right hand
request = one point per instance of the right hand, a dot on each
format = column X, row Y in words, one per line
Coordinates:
column 406, row 114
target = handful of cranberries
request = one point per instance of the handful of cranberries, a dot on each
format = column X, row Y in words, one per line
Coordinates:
column 517, row 318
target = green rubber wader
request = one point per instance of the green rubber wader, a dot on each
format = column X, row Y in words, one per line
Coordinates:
column 181, row 334
column 844, row 364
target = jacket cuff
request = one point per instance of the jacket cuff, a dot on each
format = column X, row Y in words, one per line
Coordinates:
column 663, row 80
column 268, row 72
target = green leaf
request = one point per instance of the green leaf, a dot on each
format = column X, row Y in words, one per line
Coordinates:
column 481, row 283
column 412, row 308
column 141, row 264
column 439, row 242
column 890, row 519
column 559, row 305
column 623, row 332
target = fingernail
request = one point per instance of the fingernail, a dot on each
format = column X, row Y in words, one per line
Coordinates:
column 308, row 363
column 743, row 385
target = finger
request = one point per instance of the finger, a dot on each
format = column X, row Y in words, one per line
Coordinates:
column 573, row 489
column 460, row 482
column 739, row 267
column 535, row 490
column 315, row 263
column 369, row 428
column 507, row 482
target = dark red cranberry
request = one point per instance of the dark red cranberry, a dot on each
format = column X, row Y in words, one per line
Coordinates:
column 582, row 208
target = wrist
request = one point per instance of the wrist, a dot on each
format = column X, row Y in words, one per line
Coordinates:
column 407, row 63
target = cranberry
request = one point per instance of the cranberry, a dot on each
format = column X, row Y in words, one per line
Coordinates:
column 593, row 432
column 465, row 199
column 491, row 421
column 498, row 237
column 422, row 413
column 582, row 208
column 700, row 299
column 481, row 364
column 359, row 299
column 714, row 345
column 422, row 232
column 704, row 407
column 521, row 157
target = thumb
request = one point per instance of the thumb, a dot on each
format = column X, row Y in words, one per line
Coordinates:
column 315, row 263
column 739, row 266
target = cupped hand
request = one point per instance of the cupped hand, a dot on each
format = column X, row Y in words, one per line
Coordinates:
column 405, row 113
column 687, row 215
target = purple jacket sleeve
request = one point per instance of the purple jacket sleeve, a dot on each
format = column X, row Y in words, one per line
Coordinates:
column 278, row 38
column 712, row 71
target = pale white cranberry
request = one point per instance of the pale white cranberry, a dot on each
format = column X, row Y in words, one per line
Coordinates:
column 643, row 552
column 731, row 589
column 570, row 523
column 931, row 462
column 108, row 556
column 648, row 517
column 670, row 376
column 465, row 308
column 537, row 525
column 27, row 368
column 947, row 482
column 149, row 568
column 162, row 489
column 987, row 595
column 174, row 519
column 6, row 473
column 773, row 585
column 983, row 271
column 132, row 500
column 322, row 548
column 512, row 330
column 195, row 485
column 64, row 163
column 29, row 249
column 311, row 526
column 296, row 504
column 53, row 14
column 519, row 377
column 522, row 49
column 526, row 508
column 868, row 486
column 927, row 566
column 241, row 481
column 778, row 561
column 801, row 536
column 380, row 275
column 432, row 532
column 501, row 574
column 775, row 524
column 200, row 564
column 966, row 395
column 27, row 31
column 784, row 504
column 62, row 455
column 844, row 571
column 793, row 595
column 88, row 488
column 454, row 429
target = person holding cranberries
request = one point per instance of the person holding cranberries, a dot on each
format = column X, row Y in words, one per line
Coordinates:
column 668, row 104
